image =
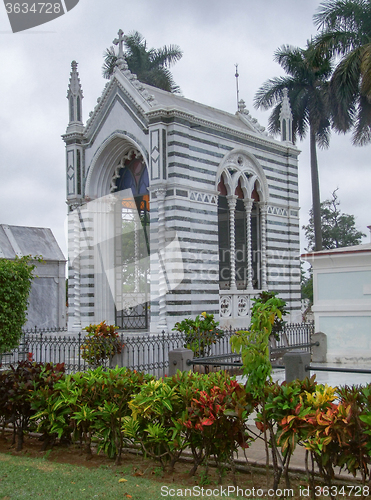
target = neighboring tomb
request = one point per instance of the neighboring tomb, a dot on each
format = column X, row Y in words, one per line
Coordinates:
column 207, row 194
column 47, row 301
column 342, row 301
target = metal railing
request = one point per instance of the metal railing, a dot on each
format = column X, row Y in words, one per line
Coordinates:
column 140, row 351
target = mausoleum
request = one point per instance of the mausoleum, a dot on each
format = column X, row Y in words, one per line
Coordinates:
column 342, row 301
column 47, row 299
column 175, row 208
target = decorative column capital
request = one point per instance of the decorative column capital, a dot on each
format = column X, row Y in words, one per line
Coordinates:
column 263, row 205
column 232, row 201
column 160, row 193
column 248, row 203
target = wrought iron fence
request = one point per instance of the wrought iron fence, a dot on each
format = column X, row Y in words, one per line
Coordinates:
column 139, row 351
column 296, row 334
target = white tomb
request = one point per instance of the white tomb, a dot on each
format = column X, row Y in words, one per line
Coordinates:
column 207, row 194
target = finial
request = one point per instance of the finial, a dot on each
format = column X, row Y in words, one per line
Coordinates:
column 74, row 86
column 241, row 106
column 120, row 63
column 238, row 92
column 120, row 42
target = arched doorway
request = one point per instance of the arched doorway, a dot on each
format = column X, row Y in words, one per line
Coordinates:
column 131, row 179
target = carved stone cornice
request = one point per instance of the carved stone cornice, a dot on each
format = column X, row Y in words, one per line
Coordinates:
column 74, row 136
column 160, row 112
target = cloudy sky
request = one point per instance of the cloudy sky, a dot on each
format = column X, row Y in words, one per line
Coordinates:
column 213, row 34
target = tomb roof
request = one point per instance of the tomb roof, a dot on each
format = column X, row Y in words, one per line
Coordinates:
column 35, row 241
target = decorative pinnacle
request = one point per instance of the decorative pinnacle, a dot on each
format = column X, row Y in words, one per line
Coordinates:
column 242, row 106
column 74, row 86
column 285, row 106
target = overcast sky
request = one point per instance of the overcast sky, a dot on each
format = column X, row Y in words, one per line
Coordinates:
column 213, row 34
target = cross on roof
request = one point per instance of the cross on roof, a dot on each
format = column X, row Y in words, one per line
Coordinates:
column 120, row 42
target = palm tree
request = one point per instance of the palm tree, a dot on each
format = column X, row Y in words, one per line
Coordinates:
column 150, row 65
column 307, row 85
column 346, row 32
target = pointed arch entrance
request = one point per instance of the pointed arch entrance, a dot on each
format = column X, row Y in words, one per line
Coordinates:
column 132, row 250
column 116, row 226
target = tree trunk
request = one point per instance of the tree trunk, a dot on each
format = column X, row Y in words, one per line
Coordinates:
column 315, row 192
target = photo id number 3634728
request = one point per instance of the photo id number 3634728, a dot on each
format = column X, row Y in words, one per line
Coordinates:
column 36, row 8
column 342, row 491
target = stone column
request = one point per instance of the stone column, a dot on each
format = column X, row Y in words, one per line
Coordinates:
column 232, row 202
column 160, row 193
column 136, row 253
column 76, row 327
column 248, row 207
column 263, row 221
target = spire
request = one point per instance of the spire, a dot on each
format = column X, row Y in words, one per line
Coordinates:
column 75, row 96
column 286, row 118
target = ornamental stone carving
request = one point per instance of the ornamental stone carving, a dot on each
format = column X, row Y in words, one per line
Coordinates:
column 243, row 305
column 226, row 306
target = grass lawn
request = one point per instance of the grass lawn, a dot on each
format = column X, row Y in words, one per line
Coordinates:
column 39, row 479
column 64, row 473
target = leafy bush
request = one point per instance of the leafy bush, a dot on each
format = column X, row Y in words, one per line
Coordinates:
column 154, row 421
column 85, row 405
column 201, row 333
column 332, row 424
column 253, row 345
column 271, row 299
column 101, row 343
column 216, row 422
column 15, row 284
column 207, row 414
column 17, row 393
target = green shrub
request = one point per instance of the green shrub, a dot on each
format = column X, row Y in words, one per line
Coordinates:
column 15, row 284
column 201, row 333
column 216, row 421
column 88, row 405
column 18, row 386
column 101, row 343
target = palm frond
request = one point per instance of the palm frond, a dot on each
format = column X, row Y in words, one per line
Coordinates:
column 110, row 59
column 150, row 65
column 271, row 92
column 365, row 85
column 341, row 14
column 167, row 55
column 344, row 88
column 362, row 129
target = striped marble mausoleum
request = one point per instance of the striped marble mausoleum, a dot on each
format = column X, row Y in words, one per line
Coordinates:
column 175, row 208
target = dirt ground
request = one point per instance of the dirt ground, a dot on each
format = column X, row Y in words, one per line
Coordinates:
column 248, row 479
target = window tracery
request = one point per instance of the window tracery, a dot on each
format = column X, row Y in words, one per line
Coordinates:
column 242, row 195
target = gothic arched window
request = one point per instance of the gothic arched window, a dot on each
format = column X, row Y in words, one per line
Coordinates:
column 242, row 198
